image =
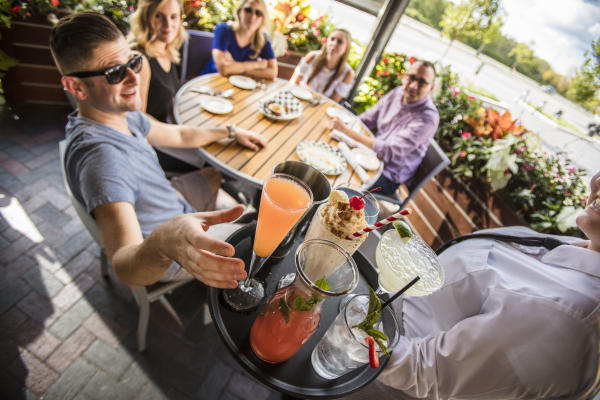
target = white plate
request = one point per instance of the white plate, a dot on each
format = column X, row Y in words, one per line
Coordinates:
column 243, row 82
column 366, row 158
column 290, row 105
column 216, row 105
column 301, row 93
column 341, row 115
column 322, row 156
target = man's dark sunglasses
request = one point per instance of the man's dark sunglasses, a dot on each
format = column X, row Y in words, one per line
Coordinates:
column 257, row 12
column 420, row 81
column 114, row 74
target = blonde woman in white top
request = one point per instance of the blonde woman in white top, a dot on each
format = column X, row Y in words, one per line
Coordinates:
column 327, row 71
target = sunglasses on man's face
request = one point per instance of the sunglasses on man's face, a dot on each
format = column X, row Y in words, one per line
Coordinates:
column 250, row 10
column 114, row 74
column 413, row 78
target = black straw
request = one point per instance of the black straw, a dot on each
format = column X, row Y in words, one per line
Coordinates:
column 404, row 289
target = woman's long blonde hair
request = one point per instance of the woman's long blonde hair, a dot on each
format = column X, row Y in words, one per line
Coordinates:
column 141, row 29
column 258, row 40
column 321, row 60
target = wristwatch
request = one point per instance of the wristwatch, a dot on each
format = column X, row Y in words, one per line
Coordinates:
column 230, row 131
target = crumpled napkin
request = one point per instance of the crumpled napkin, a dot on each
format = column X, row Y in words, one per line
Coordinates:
column 345, row 150
column 342, row 137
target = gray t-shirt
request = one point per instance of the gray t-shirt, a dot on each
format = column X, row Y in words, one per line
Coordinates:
column 104, row 166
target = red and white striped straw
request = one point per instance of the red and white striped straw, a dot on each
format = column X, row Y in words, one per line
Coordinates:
column 379, row 224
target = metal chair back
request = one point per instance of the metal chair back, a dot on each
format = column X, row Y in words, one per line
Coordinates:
column 433, row 163
column 197, row 52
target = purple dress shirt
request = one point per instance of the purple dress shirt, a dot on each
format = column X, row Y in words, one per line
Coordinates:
column 403, row 133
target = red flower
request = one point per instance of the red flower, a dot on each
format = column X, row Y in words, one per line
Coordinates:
column 320, row 18
column 55, row 3
column 518, row 152
column 386, row 72
column 378, row 73
column 315, row 25
column 28, row 14
column 300, row 17
column 385, row 60
column 400, row 74
column 462, row 153
column 527, row 167
column 16, row 9
column 324, row 40
column 317, row 32
column 197, row 3
column 506, row 171
column 466, row 134
column 470, row 98
column 374, row 92
column 412, row 60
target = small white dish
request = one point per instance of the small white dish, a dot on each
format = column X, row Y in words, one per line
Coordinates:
column 322, row 156
column 343, row 116
column 366, row 158
column 242, row 82
column 302, row 93
column 216, row 105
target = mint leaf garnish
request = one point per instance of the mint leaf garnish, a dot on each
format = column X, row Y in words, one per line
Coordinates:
column 370, row 320
column 323, row 284
column 284, row 308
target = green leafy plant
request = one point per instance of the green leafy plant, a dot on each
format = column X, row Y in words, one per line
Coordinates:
column 387, row 75
column 204, row 15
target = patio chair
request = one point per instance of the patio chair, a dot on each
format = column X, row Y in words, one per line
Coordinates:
column 143, row 295
column 433, row 163
column 197, row 51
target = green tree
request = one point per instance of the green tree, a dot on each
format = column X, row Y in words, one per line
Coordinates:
column 429, row 12
column 522, row 53
column 584, row 87
column 471, row 19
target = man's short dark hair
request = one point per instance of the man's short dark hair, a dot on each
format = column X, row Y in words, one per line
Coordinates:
column 74, row 38
column 428, row 64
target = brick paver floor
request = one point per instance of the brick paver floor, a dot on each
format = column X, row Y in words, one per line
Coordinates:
column 65, row 333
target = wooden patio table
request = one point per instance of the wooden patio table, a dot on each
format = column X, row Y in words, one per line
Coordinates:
column 249, row 166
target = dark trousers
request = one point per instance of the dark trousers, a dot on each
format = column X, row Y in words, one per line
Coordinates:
column 387, row 186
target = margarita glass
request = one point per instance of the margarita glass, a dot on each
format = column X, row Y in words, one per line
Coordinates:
column 284, row 200
column 400, row 260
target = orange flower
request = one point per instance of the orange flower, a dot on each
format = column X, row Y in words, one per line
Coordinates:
column 55, row 3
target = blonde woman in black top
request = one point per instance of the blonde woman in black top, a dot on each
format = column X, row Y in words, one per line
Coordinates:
column 157, row 31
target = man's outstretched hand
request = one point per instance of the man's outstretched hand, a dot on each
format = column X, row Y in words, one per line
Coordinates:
column 184, row 240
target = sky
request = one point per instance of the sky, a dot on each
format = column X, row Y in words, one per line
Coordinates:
column 562, row 30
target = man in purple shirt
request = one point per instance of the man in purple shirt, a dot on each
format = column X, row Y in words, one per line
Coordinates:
column 404, row 121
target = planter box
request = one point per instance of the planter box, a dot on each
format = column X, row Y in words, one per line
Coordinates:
column 446, row 208
column 287, row 63
column 35, row 79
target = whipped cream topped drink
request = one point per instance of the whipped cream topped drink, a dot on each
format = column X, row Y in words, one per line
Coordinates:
column 333, row 221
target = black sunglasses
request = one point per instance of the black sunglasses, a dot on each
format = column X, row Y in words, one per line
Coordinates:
column 114, row 74
column 420, row 81
column 257, row 12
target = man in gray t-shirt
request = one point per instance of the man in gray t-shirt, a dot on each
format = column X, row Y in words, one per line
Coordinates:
column 113, row 170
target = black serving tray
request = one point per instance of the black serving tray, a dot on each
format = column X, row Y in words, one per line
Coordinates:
column 295, row 376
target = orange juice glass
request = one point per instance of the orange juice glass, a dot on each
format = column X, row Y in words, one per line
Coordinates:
column 284, row 200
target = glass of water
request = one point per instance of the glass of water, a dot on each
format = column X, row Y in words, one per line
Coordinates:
column 343, row 348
